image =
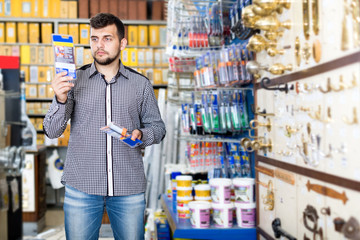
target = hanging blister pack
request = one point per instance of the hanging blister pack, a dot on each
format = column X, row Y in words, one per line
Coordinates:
column 214, row 112
column 235, row 112
column 204, row 114
column 243, row 112
column 222, row 113
column 185, row 117
column 63, row 46
column 245, row 163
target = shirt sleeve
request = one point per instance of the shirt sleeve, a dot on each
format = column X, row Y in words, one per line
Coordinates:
column 56, row 119
column 152, row 126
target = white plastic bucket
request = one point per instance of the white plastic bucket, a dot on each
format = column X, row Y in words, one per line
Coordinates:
column 220, row 190
column 200, row 214
column 207, row 199
column 183, row 212
column 223, row 215
column 183, row 201
column 184, row 191
column 183, row 181
column 244, row 190
column 202, row 190
column 246, row 214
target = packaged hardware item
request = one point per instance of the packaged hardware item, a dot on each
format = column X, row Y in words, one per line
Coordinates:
column 64, row 54
column 121, row 134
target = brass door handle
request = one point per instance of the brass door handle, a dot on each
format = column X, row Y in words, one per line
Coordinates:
column 255, row 124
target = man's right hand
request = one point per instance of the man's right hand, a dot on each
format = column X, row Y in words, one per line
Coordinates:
column 62, row 86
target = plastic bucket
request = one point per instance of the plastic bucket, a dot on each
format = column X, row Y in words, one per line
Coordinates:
column 183, row 201
column 223, row 215
column 183, row 212
column 244, row 190
column 246, row 214
column 200, row 214
column 207, row 199
column 183, row 181
column 184, row 191
column 220, row 190
column 202, row 190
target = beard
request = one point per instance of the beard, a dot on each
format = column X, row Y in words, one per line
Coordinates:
column 107, row 60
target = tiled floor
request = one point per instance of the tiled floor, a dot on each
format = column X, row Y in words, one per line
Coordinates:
column 54, row 227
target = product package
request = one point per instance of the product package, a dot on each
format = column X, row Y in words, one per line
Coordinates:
column 121, row 134
column 64, row 54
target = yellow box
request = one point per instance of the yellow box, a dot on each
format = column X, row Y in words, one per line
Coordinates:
column 157, row 58
column 39, row 123
column 41, row 91
column 143, row 36
column 87, row 56
column 74, row 32
column 7, row 8
column 25, row 69
column 35, row 9
column 154, row 35
column 15, row 8
column 162, row 35
column 42, row 74
column 33, row 74
column 33, row 54
column 149, row 73
column 31, row 90
column 141, row 57
column 72, row 9
column 149, row 57
column 10, row 32
column 46, row 31
column 125, row 56
column 165, row 76
column 49, row 74
column 2, row 32
column 55, row 6
column 5, row 51
column 25, row 54
column 79, row 56
column 164, row 59
column 64, row 9
column 157, row 78
column 133, row 37
column 133, row 60
column 22, row 32
column 15, row 51
column 84, row 33
column 26, row 8
column 34, row 33
column 49, row 91
column 63, row 29
column 29, row 105
column 49, row 55
column 2, row 14
column 37, row 105
column 41, row 55
column 45, row 8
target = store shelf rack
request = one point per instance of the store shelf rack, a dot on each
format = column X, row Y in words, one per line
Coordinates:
column 182, row 228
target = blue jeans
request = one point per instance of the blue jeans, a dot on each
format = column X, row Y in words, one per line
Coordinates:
column 84, row 212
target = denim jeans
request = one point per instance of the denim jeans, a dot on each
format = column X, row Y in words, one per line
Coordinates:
column 84, row 212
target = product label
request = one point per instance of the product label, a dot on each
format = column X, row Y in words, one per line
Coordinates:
column 242, row 194
column 216, row 194
column 248, row 217
column 221, row 219
column 183, row 213
column 202, row 220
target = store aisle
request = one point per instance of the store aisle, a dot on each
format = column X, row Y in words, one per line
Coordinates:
column 55, row 230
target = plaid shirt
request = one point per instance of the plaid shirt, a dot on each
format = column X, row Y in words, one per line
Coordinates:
column 96, row 163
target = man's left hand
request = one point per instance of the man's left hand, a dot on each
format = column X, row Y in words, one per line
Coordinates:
column 136, row 134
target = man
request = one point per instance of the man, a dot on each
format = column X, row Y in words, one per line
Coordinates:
column 101, row 171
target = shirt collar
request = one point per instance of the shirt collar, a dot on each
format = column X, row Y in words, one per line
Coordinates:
column 122, row 70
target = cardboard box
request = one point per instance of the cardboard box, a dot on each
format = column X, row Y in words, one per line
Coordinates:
column 94, row 7
column 22, row 32
column 84, row 9
column 142, row 10
column 157, row 58
column 2, row 32
column 49, row 91
column 141, row 57
column 104, row 6
column 133, row 35
column 29, row 106
column 33, row 74
column 165, row 76
column 15, row 8
column 149, row 73
column 79, row 56
column 45, row 8
column 132, row 11
column 113, row 9
column 15, row 51
column 41, row 55
column 74, row 32
column 31, row 90
column 25, row 54
column 49, row 55
column 35, row 9
column 63, row 29
column 157, row 78
column 34, row 33
column 5, row 51
column 123, row 9
column 42, row 74
column 84, row 33
column 73, row 9
column 2, row 14
column 55, row 5
column 7, row 8
column 154, row 35
column 162, row 35
column 33, row 55
column 10, row 32
column 64, row 9
column 25, row 69
column 133, row 61
column 88, row 59
column 125, row 56
column 149, row 57
column 26, row 8
column 157, row 10
column 164, row 58
column 46, row 31
column 143, row 36
column 50, row 73
column 41, row 91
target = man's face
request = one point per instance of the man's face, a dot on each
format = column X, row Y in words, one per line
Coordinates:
column 105, row 45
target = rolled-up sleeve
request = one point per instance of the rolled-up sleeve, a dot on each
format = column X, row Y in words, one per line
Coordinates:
column 56, row 119
column 152, row 126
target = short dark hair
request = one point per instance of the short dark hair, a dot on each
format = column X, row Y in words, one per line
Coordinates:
column 102, row 20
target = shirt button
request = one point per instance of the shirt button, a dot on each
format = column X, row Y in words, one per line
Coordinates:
column 109, row 170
